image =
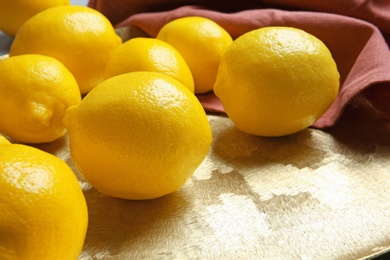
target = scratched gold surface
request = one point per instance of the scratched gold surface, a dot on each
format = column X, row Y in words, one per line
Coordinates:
column 318, row 194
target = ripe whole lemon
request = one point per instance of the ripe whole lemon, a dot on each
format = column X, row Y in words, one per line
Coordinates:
column 139, row 135
column 276, row 81
column 201, row 42
column 149, row 54
column 35, row 91
column 79, row 37
column 16, row 12
column 43, row 210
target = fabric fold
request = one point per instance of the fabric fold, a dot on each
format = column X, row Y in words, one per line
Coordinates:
column 358, row 46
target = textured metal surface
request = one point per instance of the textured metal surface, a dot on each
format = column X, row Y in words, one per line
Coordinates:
column 313, row 195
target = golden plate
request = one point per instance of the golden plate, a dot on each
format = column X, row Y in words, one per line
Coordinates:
column 313, row 195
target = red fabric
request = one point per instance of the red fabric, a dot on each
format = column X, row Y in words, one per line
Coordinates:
column 353, row 30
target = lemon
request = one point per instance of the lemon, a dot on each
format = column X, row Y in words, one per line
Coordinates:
column 201, row 42
column 16, row 12
column 276, row 81
column 43, row 210
column 35, row 91
column 139, row 135
column 79, row 37
column 3, row 140
column 148, row 54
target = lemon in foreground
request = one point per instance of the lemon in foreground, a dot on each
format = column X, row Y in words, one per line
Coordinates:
column 149, row 54
column 139, row 135
column 43, row 210
column 79, row 37
column 201, row 42
column 16, row 12
column 276, row 81
column 35, row 91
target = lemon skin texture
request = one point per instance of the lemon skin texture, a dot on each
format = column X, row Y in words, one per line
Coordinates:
column 202, row 43
column 139, row 135
column 16, row 12
column 276, row 81
column 35, row 91
column 44, row 214
column 149, row 54
column 79, row 37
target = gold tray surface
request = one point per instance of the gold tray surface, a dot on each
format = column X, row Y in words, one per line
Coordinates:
column 317, row 194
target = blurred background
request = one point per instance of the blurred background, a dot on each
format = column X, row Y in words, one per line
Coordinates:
column 5, row 41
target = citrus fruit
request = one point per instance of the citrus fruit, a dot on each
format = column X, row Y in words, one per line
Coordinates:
column 3, row 140
column 145, row 132
column 149, row 54
column 16, row 12
column 276, row 81
column 79, row 37
column 201, row 42
column 35, row 91
column 43, row 210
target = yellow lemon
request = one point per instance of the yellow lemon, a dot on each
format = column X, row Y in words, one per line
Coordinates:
column 35, row 91
column 148, row 54
column 276, row 81
column 3, row 140
column 145, row 132
column 201, row 42
column 16, row 12
column 43, row 210
column 78, row 36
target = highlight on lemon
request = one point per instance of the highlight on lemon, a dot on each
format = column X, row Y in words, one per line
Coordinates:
column 16, row 12
column 81, row 38
column 149, row 54
column 201, row 42
column 43, row 210
column 276, row 81
column 35, row 91
column 145, row 132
